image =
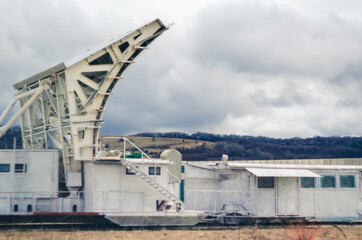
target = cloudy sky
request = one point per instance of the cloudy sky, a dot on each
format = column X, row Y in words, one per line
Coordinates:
column 276, row 68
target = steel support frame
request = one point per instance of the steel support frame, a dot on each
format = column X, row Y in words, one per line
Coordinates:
column 67, row 114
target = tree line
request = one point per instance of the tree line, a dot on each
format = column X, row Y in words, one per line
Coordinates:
column 7, row 141
column 239, row 147
column 264, row 148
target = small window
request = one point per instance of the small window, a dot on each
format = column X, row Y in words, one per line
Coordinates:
column 328, row 182
column 4, row 167
column 347, row 181
column 265, row 182
column 154, row 170
column 307, row 182
column 29, row 208
column 20, row 168
column 16, row 208
column 130, row 171
column 81, row 134
column 74, row 208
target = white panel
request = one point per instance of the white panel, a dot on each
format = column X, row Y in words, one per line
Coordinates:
column 74, row 179
column 4, row 204
column 277, row 172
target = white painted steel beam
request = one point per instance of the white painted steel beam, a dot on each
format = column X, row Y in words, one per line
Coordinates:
column 77, row 95
column 25, row 107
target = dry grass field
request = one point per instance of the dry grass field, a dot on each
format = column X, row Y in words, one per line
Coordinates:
column 307, row 233
column 153, row 145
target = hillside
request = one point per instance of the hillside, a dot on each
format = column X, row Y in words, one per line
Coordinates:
column 7, row 141
column 206, row 146
column 155, row 145
column 262, row 148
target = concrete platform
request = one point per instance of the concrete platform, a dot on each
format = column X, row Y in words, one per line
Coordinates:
column 187, row 218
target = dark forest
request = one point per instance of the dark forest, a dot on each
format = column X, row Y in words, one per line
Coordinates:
column 265, row 148
column 244, row 147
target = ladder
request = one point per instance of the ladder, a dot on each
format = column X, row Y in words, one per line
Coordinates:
column 152, row 183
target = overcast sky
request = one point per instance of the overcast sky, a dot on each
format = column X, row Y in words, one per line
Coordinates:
column 264, row 68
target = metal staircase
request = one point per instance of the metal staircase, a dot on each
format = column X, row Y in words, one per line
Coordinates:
column 144, row 176
column 152, row 182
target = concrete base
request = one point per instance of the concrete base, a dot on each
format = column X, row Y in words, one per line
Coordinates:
column 188, row 218
column 50, row 218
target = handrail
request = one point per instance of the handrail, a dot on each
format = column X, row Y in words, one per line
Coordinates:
column 142, row 153
column 155, row 182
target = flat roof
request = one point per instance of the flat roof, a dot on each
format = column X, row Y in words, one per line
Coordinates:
column 29, row 150
column 278, row 172
column 138, row 161
column 231, row 165
column 320, row 161
column 293, row 166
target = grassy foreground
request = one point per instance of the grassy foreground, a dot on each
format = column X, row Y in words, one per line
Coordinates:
column 302, row 232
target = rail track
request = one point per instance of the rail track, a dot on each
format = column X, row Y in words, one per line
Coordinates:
column 101, row 224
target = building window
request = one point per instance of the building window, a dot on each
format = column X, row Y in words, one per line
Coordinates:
column 20, row 168
column 328, row 182
column 265, row 182
column 130, row 171
column 307, row 182
column 347, row 181
column 29, row 208
column 154, row 170
column 81, row 134
column 4, row 167
column 16, row 208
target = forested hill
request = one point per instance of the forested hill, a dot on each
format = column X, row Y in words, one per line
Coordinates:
column 7, row 141
column 243, row 147
column 260, row 148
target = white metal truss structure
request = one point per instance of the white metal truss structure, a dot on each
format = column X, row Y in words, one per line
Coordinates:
column 62, row 107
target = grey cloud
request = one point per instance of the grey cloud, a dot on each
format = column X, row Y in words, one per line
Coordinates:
column 268, row 38
column 351, row 73
column 36, row 35
column 265, row 61
column 288, row 94
column 241, row 67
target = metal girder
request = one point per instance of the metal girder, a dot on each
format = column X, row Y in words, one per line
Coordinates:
column 67, row 114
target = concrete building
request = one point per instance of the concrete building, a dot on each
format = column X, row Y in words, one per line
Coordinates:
column 318, row 192
column 28, row 180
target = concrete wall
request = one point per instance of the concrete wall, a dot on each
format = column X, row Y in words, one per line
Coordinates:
column 36, row 187
column 332, row 204
column 111, row 190
column 211, row 190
